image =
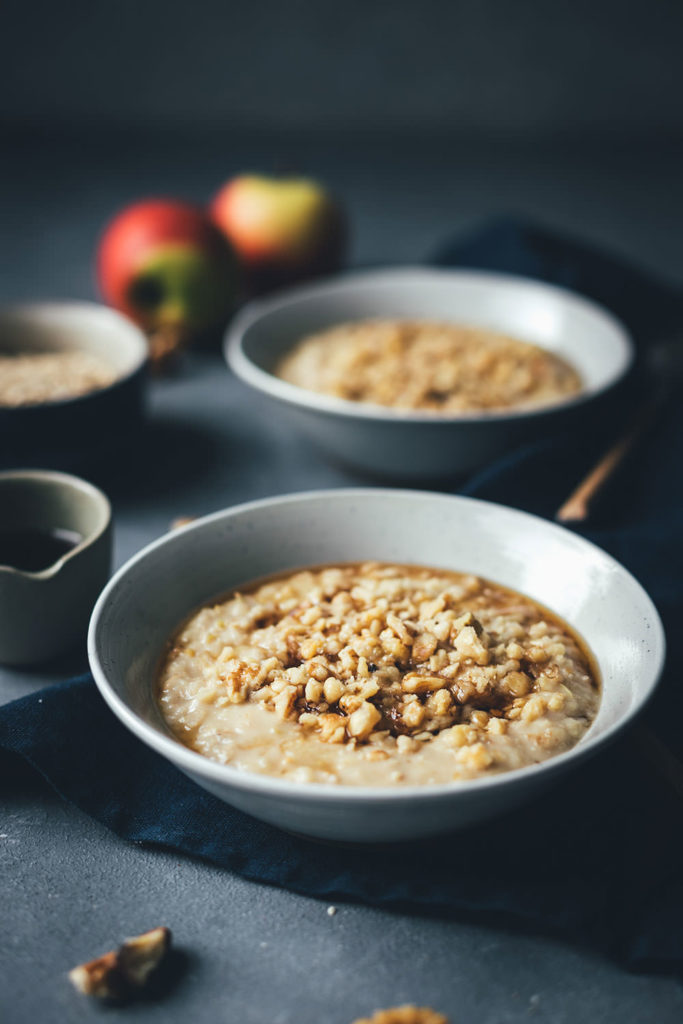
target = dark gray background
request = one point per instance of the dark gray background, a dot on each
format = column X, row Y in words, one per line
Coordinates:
column 529, row 68
column 426, row 118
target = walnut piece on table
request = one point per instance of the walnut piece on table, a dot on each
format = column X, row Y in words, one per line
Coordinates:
column 120, row 974
column 406, row 1014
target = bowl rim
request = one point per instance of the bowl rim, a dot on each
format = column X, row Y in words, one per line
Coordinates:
column 52, row 308
column 77, row 483
column 292, row 394
column 270, row 786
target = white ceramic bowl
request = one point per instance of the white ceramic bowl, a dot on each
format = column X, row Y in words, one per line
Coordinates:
column 412, row 445
column 156, row 590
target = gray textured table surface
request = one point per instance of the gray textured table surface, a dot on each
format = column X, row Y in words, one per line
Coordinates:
column 69, row 889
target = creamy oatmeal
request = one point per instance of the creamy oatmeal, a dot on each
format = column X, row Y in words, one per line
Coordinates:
column 377, row 674
column 36, row 377
column 427, row 365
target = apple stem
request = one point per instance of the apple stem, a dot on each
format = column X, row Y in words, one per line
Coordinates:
column 164, row 343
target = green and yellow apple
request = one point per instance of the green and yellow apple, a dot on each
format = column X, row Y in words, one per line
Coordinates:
column 166, row 265
column 282, row 229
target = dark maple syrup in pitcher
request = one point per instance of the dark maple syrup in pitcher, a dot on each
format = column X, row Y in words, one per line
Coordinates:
column 32, row 550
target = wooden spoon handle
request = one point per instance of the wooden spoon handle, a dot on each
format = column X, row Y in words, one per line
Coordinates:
column 576, row 508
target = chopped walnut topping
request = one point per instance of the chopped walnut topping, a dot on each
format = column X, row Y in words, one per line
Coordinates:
column 470, row 645
column 101, row 978
column 141, row 955
column 417, row 645
column 388, row 655
column 424, row 646
column 363, row 720
column 118, row 975
column 404, row 1015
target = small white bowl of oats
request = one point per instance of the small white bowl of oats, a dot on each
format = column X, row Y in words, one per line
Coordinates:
column 420, row 373
column 71, row 375
column 372, row 665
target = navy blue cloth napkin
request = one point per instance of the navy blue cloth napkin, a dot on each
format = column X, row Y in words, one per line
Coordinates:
column 600, row 858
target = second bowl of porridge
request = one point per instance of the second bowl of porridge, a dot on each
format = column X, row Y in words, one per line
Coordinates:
column 418, row 373
column 368, row 665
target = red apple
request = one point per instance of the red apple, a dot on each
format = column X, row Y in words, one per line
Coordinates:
column 165, row 264
column 283, row 230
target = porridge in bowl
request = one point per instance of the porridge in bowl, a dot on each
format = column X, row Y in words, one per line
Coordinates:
column 427, row 365
column 377, row 674
column 30, row 378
